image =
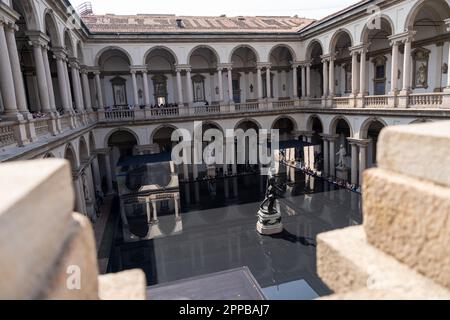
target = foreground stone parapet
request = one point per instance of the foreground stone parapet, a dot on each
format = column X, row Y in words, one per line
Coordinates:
column 347, row 263
column 46, row 250
column 421, row 151
column 410, row 220
column 403, row 249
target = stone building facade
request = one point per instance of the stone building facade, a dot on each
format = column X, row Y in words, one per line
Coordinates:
column 85, row 88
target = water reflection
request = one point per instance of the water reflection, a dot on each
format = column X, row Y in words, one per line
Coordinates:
column 216, row 231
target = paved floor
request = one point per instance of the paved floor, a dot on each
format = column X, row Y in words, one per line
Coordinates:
column 218, row 233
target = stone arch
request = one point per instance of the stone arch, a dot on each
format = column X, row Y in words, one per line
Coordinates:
column 416, row 9
column 310, row 47
column 203, row 46
column 282, row 45
column 51, row 28
column 68, row 43
column 251, row 48
column 310, row 122
column 294, row 123
column 108, row 136
column 106, row 49
column 158, row 128
column 335, row 121
column 256, row 122
column 71, row 156
column 336, row 36
column 167, row 49
column 365, row 31
column 366, row 124
column 29, row 13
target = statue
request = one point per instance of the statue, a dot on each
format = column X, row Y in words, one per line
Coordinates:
column 269, row 219
column 342, row 153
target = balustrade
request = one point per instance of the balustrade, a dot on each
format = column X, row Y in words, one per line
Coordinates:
column 7, row 134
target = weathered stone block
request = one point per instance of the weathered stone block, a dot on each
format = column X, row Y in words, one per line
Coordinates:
column 409, row 219
column 422, row 151
column 75, row 274
column 126, row 285
column 346, row 263
column 35, row 210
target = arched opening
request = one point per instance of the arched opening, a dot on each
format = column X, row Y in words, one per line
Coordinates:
column 116, row 78
column 314, row 53
column 203, row 62
column 380, row 58
column 427, row 20
column 372, row 132
column 281, row 58
column 286, row 128
column 122, row 143
column 51, row 30
column 161, row 64
column 341, row 129
column 249, row 127
column 340, row 48
column 163, row 138
column 245, row 82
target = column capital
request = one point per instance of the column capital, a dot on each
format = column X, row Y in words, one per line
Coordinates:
column 360, row 48
column 11, row 27
column 182, row 67
column 59, row 53
column 104, row 151
column 305, row 133
column 228, row 66
column 37, row 38
column 261, row 65
column 73, row 62
column 134, row 69
column 407, row 36
column 447, row 22
column 328, row 137
column 296, row 64
column 359, row 142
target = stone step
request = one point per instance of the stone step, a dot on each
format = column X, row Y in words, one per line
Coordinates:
column 409, row 219
column 421, row 151
column 347, row 263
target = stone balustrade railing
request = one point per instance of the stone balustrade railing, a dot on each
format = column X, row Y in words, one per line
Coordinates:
column 343, row 102
column 206, row 109
column 283, row 104
column 7, row 137
column 381, row 101
column 41, row 127
column 425, row 100
column 247, row 107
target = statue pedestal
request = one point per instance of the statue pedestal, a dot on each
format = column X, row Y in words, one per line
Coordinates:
column 269, row 224
column 342, row 173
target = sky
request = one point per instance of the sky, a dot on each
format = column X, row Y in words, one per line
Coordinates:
column 303, row 8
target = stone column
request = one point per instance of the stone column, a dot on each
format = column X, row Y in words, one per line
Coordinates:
column 41, row 75
column 362, row 159
column 268, row 89
column 308, row 80
column 15, row 68
column 69, row 90
column 259, row 82
column 98, row 84
column 362, row 75
column 332, row 141
column 304, row 80
column 179, row 87
column 60, row 57
column 48, row 74
column 135, row 88
column 108, row 174
column 230, row 85
column 354, row 166
column 325, row 78
column 355, row 88
column 407, row 66
column 220, row 83
column 86, row 90
column 155, row 212
column 146, row 89
column 394, row 68
column 331, row 77
column 76, row 86
column 189, row 86
column 6, row 78
column 294, row 81
column 326, row 156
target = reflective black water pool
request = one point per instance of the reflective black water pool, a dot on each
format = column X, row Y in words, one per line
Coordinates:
column 217, row 233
